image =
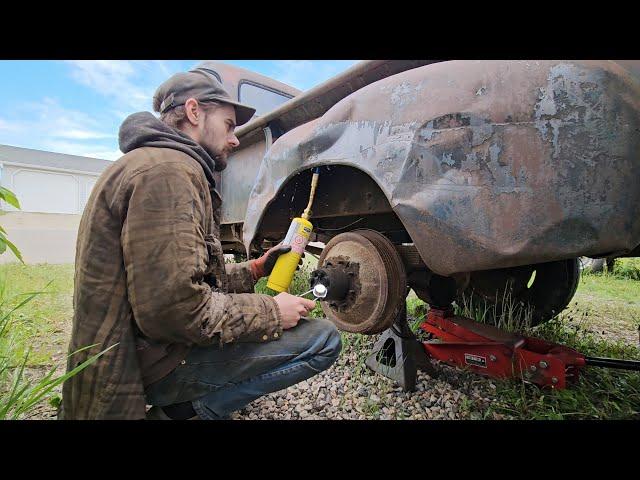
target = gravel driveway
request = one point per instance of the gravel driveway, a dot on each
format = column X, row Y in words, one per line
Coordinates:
column 349, row 390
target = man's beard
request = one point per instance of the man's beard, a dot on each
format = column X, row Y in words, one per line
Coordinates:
column 219, row 158
column 220, row 161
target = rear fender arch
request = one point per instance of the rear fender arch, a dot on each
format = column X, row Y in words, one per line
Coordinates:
column 347, row 197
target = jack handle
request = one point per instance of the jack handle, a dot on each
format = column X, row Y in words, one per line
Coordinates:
column 612, row 363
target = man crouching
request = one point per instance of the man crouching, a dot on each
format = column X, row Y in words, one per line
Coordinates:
column 150, row 277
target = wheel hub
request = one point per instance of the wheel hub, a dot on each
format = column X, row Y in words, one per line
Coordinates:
column 366, row 281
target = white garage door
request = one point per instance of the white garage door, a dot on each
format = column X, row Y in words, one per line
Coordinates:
column 88, row 186
column 46, row 192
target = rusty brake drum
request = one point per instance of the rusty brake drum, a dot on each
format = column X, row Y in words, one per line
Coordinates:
column 366, row 280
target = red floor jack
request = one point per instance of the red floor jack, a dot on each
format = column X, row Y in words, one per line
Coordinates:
column 484, row 349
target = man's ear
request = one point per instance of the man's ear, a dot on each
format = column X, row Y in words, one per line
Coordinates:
column 192, row 110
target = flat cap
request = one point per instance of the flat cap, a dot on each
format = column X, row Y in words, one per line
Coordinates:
column 200, row 85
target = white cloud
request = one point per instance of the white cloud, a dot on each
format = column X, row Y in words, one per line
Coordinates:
column 164, row 68
column 81, row 149
column 9, row 127
column 130, row 84
column 111, row 78
column 79, row 134
column 47, row 125
column 52, row 120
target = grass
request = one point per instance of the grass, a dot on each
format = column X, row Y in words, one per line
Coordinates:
column 47, row 315
column 602, row 321
column 627, row 268
column 612, row 299
column 623, row 268
column 608, row 303
column 598, row 393
column 21, row 391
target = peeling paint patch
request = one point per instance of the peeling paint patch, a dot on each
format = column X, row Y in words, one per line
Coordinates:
column 404, row 94
column 568, row 105
column 451, row 120
column 481, row 134
column 494, row 152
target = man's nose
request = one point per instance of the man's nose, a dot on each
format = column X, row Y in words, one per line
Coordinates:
column 234, row 142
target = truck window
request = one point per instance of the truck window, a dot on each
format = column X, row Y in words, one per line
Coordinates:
column 261, row 98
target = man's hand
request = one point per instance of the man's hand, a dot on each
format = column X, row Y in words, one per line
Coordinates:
column 292, row 308
column 271, row 257
column 263, row 266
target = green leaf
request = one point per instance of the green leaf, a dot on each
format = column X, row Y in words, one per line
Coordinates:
column 4, row 242
column 9, row 197
column 82, row 349
column 44, row 387
column 4, row 321
column 42, row 383
column 15, row 250
column 14, row 394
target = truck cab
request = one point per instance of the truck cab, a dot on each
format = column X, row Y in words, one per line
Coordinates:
column 258, row 91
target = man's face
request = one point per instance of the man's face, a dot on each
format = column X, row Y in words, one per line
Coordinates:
column 217, row 136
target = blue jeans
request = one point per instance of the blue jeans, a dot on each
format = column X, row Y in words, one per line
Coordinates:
column 219, row 380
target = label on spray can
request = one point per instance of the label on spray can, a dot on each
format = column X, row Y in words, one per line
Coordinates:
column 297, row 237
column 293, row 228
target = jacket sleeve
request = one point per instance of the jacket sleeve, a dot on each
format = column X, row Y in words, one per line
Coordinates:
column 165, row 257
column 240, row 277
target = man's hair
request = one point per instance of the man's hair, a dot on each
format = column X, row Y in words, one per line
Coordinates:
column 177, row 115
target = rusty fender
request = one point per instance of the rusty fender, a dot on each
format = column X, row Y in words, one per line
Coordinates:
column 488, row 164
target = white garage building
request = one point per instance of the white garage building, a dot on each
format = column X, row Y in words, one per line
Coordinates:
column 53, row 189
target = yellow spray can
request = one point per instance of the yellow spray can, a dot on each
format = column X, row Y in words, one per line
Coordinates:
column 285, row 267
column 298, row 237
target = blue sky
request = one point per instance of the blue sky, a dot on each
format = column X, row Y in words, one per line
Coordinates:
column 76, row 107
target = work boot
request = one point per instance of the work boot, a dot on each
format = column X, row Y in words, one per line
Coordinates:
column 156, row 413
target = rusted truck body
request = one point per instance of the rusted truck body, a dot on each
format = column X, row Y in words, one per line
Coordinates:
column 486, row 168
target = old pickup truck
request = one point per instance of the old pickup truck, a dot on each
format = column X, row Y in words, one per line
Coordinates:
column 488, row 176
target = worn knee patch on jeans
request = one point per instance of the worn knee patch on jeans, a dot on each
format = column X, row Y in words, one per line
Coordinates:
column 334, row 341
column 332, row 347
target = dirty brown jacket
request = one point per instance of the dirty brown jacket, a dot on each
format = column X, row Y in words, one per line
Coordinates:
column 150, row 278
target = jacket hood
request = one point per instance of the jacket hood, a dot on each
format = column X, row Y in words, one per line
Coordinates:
column 143, row 129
